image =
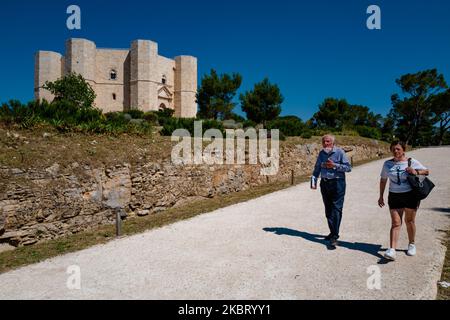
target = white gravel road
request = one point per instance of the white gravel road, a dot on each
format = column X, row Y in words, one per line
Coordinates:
column 266, row 248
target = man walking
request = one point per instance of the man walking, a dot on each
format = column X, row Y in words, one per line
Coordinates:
column 331, row 166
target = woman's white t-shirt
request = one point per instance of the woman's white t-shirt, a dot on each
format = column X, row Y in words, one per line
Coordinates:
column 396, row 172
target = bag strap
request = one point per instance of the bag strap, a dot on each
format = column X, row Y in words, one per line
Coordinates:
column 409, row 165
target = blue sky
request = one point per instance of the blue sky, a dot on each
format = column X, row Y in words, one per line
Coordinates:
column 311, row 49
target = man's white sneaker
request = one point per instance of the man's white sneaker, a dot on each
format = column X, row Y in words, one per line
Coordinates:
column 411, row 250
column 390, row 254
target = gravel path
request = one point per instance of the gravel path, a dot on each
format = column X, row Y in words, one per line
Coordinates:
column 267, row 248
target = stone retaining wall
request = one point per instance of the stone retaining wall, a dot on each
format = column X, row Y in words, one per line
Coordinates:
column 68, row 198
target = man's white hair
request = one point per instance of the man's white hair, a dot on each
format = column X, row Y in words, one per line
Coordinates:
column 333, row 138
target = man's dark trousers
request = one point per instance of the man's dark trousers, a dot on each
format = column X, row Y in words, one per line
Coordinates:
column 333, row 193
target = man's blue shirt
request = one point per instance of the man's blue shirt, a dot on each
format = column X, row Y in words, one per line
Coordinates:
column 342, row 165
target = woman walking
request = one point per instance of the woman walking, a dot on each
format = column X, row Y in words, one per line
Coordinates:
column 401, row 199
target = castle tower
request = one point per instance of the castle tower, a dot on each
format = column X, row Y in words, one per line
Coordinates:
column 185, row 87
column 81, row 59
column 123, row 79
column 48, row 66
column 144, row 77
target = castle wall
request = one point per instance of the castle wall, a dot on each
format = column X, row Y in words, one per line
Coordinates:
column 80, row 58
column 48, row 67
column 166, row 67
column 185, row 87
column 144, row 78
column 139, row 74
column 109, row 60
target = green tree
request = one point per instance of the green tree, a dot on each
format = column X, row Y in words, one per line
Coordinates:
column 215, row 95
column 413, row 111
column 331, row 115
column 236, row 117
column 290, row 126
column 72, row 88
column 263, row 103
column 388, row 127
column 338, row 115
column 362, row 116
column 441, row 115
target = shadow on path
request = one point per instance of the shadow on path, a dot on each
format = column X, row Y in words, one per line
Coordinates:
column 444, row 210
column 372, row 249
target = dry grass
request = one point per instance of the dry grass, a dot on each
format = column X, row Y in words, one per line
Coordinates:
column 32, row 150
column 444, row 293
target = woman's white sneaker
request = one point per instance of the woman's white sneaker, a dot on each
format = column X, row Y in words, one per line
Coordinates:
column 390, row 254
column 411, row 250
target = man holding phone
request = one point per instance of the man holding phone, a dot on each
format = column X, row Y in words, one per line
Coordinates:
column 332, row 164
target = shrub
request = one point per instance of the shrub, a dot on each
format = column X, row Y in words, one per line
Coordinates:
column 188, row 123
column 282, row 137
column 165, row 116
column 348, row 133
column 74, row 88
column 235, row 117
column 31, row 122
column 165, row 113
column 249, row 124
column 88, row 115
column 136, row 114
column 307, row 134
column 290, row 126
column 151, row 117
column 369, row 132
column 116, row 118
column 172, row 124
column 213, row 124
column 322, row 132
column 65, row 116
column 13, row 111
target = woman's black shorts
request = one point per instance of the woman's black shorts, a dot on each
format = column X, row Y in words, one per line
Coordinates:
column 403, row 200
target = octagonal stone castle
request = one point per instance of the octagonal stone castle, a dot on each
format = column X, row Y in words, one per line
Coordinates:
column 135, row 78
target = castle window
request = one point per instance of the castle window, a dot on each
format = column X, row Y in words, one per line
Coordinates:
column 162, row 107
column 113, row 75
column 114, row 96
column 164, row 79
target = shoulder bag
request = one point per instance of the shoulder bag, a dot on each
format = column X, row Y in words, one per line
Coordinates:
column 421, row 185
